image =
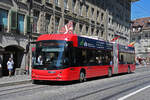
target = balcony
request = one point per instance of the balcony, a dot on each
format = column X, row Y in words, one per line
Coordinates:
column 49, row 5
column 58, row 8
column 49, row 10
column 37, row 6
column 22, row 5
column 70, row 15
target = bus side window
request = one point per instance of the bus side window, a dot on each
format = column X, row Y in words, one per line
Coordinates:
column 77, row 59
column 69, row 58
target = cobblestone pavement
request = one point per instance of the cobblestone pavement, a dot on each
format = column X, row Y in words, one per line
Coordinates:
column 17, row 79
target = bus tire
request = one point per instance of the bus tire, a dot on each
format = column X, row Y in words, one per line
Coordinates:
column 129, row 69
column 109, row 72
column 82, row 76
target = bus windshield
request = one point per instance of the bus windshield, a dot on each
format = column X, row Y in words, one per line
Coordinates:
column 49, row 55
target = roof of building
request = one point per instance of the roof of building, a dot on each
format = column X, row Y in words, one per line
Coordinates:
column 143, row 23
column 134, row 0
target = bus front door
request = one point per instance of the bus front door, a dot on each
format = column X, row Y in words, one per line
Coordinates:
column 115, row 58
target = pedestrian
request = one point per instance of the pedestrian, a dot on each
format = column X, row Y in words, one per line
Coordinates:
column 144, row 62
column 99, row 60
column 10, row 64
column 40, row 62
column 111, row 62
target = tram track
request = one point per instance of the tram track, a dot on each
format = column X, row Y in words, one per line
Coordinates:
column 15, row 88
column 122, row 91
column 20, row 89
column 114, row 86
column 14, row 83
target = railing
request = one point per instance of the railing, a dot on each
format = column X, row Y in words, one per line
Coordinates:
column 49, row 4
column 58, row 8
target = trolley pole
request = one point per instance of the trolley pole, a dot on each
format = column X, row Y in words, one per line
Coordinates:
column 29, row 37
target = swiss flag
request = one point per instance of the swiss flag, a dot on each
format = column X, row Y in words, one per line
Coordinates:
column 67, row 29
column 114, row 39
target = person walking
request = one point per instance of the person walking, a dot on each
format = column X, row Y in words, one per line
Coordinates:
column 10, row 64
column 40, row 62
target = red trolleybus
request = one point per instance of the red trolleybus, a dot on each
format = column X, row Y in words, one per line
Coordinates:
column 67, row 57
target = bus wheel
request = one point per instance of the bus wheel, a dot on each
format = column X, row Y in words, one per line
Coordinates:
column 82, row 77
column 129, row 70
column 109, row 72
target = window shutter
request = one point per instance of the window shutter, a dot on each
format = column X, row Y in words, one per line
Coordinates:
column 13, row 20
column 28, row 24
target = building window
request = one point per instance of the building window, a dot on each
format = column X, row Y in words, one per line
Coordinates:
column 92, row 31
column 139, row 37
column 39, row 1
column 36, row 14
column 109, row 20
column 21, row 23
column 92, row 12
column 13, row 20
column 87, row 28
column 80, row 10
column 148, row 24
column 112, row 22
column 73, row 4
column 97, row 14
column 102, row 16
column 3, row 18
column 65, row 4
column 74, row 26
column 66, row 21
column 56, row 2
column 102, row 33
column 48, row 17
column 80, row 28
column 97, row 32
column 87, row 8
column 57, row 19
column 146, row 35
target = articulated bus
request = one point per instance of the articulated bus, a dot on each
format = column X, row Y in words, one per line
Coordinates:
column 68, row 57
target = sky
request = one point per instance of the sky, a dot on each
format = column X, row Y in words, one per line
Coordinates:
column 140, row 9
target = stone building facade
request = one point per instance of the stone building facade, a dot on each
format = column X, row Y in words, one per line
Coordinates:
column 103, row 19
column 13, row 38
column 140, row 33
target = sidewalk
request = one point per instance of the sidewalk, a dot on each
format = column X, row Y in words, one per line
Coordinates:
column 140, row 66
column 17, row 79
